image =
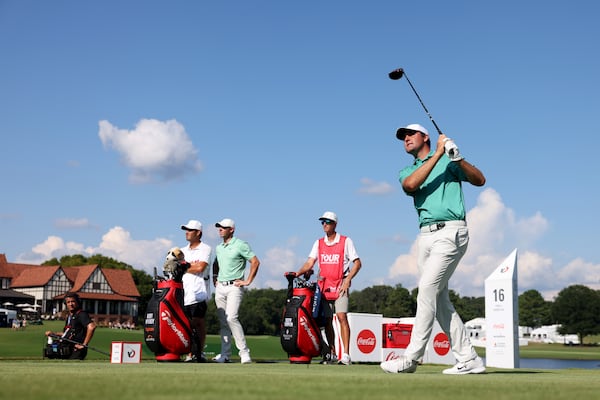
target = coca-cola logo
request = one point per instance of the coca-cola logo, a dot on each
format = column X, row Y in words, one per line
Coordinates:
column 392, row 356
column 441, row 344
column 366, row 341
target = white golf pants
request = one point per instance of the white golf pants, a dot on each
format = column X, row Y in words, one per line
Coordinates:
column 439, row 253
column 228, row 300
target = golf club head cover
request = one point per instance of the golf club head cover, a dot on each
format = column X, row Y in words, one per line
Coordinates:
column 452, row 150
column 173, row 258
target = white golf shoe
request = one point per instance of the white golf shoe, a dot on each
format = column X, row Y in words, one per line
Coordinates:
column 245, row 357
column 399, row 365
column 474, row 366
column 221, row 359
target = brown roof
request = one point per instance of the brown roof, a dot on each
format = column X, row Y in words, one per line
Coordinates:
column 34, row 276
column 28, row 275
column 12, row 270
column 82, row 276
column 121, row 282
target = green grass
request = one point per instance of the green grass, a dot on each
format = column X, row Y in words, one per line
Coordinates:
column 29, row 343
column 55, row 379
column 24, row 375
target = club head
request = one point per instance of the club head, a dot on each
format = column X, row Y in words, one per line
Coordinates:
column 396, row 74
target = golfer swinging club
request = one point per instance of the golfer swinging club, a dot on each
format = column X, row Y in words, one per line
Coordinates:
column 434, row 182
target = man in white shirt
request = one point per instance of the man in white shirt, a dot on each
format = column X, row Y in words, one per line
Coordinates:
column 195, row 287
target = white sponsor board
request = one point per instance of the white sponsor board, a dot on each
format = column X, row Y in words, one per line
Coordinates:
column 374, row 338
column 126, row 353
column 365, row 337
column 502, row 315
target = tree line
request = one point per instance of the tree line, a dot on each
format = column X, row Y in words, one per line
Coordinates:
column 576, row 308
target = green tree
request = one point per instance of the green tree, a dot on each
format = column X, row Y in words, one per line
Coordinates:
column 261, row 310
column 534, row 311
column 577, row 309
column 369, row 300
column 468, row 307
column 382, row 299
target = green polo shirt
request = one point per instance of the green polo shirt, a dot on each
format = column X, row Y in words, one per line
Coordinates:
column 232, row 258
column 440, row 198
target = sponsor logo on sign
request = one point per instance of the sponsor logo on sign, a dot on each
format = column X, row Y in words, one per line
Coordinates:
column 366, row 341
column 166, row 316
column 441, row 344
column 330, row 258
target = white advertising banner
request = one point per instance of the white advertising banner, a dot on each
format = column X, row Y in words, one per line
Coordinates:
column 365, row 337
column 502, row 315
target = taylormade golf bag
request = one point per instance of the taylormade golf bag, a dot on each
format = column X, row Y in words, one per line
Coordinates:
column 167, row 329
column 300, row 332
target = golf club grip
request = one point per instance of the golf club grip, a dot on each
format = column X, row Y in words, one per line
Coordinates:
column 436, row 127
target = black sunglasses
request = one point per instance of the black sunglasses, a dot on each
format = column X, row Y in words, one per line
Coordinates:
column 327, row 221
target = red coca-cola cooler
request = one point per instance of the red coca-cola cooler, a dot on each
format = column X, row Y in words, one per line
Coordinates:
column 396, row 333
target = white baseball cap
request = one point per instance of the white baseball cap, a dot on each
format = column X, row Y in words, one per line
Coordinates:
column 401, row 132
column 192, row 225
column 225, row 223
column 328, row 215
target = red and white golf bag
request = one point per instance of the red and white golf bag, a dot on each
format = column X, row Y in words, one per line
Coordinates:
column 300, row 332
column 167, row 329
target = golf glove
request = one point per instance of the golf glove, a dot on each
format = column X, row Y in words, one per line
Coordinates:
column 452, row 150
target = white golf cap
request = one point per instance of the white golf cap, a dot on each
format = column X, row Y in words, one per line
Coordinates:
column 225, row 223
column 192, row 225
column 328, row 215
column 401, row 132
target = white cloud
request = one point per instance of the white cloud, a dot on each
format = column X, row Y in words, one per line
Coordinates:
column 377, row 188
column 580, row 272
column 116, row 243
column 154, row 150
column 275, row 263
column 53, row 246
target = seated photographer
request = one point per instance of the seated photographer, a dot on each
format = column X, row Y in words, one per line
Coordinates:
column 78, row 331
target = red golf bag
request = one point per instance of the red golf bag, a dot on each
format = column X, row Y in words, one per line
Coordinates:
column 300, row 332
column 167, row 330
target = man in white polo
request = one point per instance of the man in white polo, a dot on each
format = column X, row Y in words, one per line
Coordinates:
column 195, row 286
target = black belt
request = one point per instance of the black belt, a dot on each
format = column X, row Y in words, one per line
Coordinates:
column 439, row 225
column 433, row 227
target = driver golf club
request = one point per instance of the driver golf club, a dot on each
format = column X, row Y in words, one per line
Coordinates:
column 399, row 73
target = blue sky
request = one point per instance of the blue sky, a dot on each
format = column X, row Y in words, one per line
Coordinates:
column 123, row 120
